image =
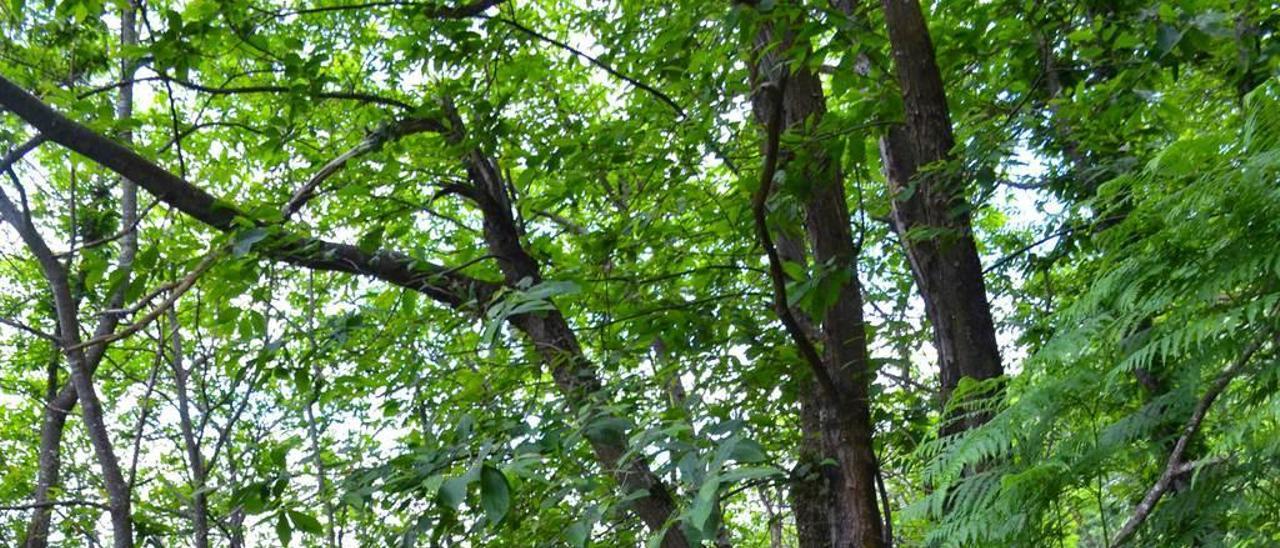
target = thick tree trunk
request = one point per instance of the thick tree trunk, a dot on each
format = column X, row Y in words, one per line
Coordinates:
column 931, row 212
column 852, row 517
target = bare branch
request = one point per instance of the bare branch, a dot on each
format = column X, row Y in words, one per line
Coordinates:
column 773, row 135
column 21, row 150
column 19, row 325
column 108, row 239
column 470, row 9
column 344, row 95
column 594, row 61
column 452, row 288
column 372, row 142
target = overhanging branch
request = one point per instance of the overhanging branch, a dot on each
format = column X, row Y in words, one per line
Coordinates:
column 438, row 282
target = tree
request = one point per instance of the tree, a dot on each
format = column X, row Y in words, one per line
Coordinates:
column 540, row 272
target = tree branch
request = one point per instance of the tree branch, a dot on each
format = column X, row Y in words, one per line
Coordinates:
column 1176, row 466
column 470, row 9
column 450, row 287
column 21, row 150
column 773, row 135
column 372, row 142
column 29, row 329
column 164, row 305
column 598, row 63
column 53, row 503
column 211, row 90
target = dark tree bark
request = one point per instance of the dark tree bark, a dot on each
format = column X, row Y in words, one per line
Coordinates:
column 931, row 212
column 839, row 405
column 556, row 342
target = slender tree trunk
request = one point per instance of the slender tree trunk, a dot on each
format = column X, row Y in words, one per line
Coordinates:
column 51, row 429
column 235, row 520
column 195, row 461
column 843, row 417
column 58, row 406
column 313, row 426
column 81, row 378
column 931, row 212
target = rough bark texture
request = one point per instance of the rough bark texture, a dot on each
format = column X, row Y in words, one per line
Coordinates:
column 931, row 212
column 852, row 517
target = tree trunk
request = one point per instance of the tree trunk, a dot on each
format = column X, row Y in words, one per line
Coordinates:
column 931, row 213
column 81, row 378
column 550, row 334
column 58, row 406
column 195, row 460
column 843, row 417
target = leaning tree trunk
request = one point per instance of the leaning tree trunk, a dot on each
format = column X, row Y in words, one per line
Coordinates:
column 557, row 344
column 931, row 213
column 69, row 340
column 841, row 408
column 554, row 341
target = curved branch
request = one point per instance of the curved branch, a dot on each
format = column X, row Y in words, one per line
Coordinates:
column 776, row 274
column 345, row 95
column 370, row 143
column 594, row 61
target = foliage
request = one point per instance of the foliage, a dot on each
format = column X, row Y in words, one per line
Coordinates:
column 1121, row 157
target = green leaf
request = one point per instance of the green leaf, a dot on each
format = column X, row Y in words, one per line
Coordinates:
column 371, row 240
column 306, row 522
column 453, row 491
column 576, row 534
column 705, row 503
column 747, row 451
column 495, row 494
column 1166, row 38
column 284, row 531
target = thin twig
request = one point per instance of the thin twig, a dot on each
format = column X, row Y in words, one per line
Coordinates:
column 594, row 61
column 52, row 503
column 177, row 291
column 29, row 329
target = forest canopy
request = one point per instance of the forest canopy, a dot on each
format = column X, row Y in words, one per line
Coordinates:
column 754, row 273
